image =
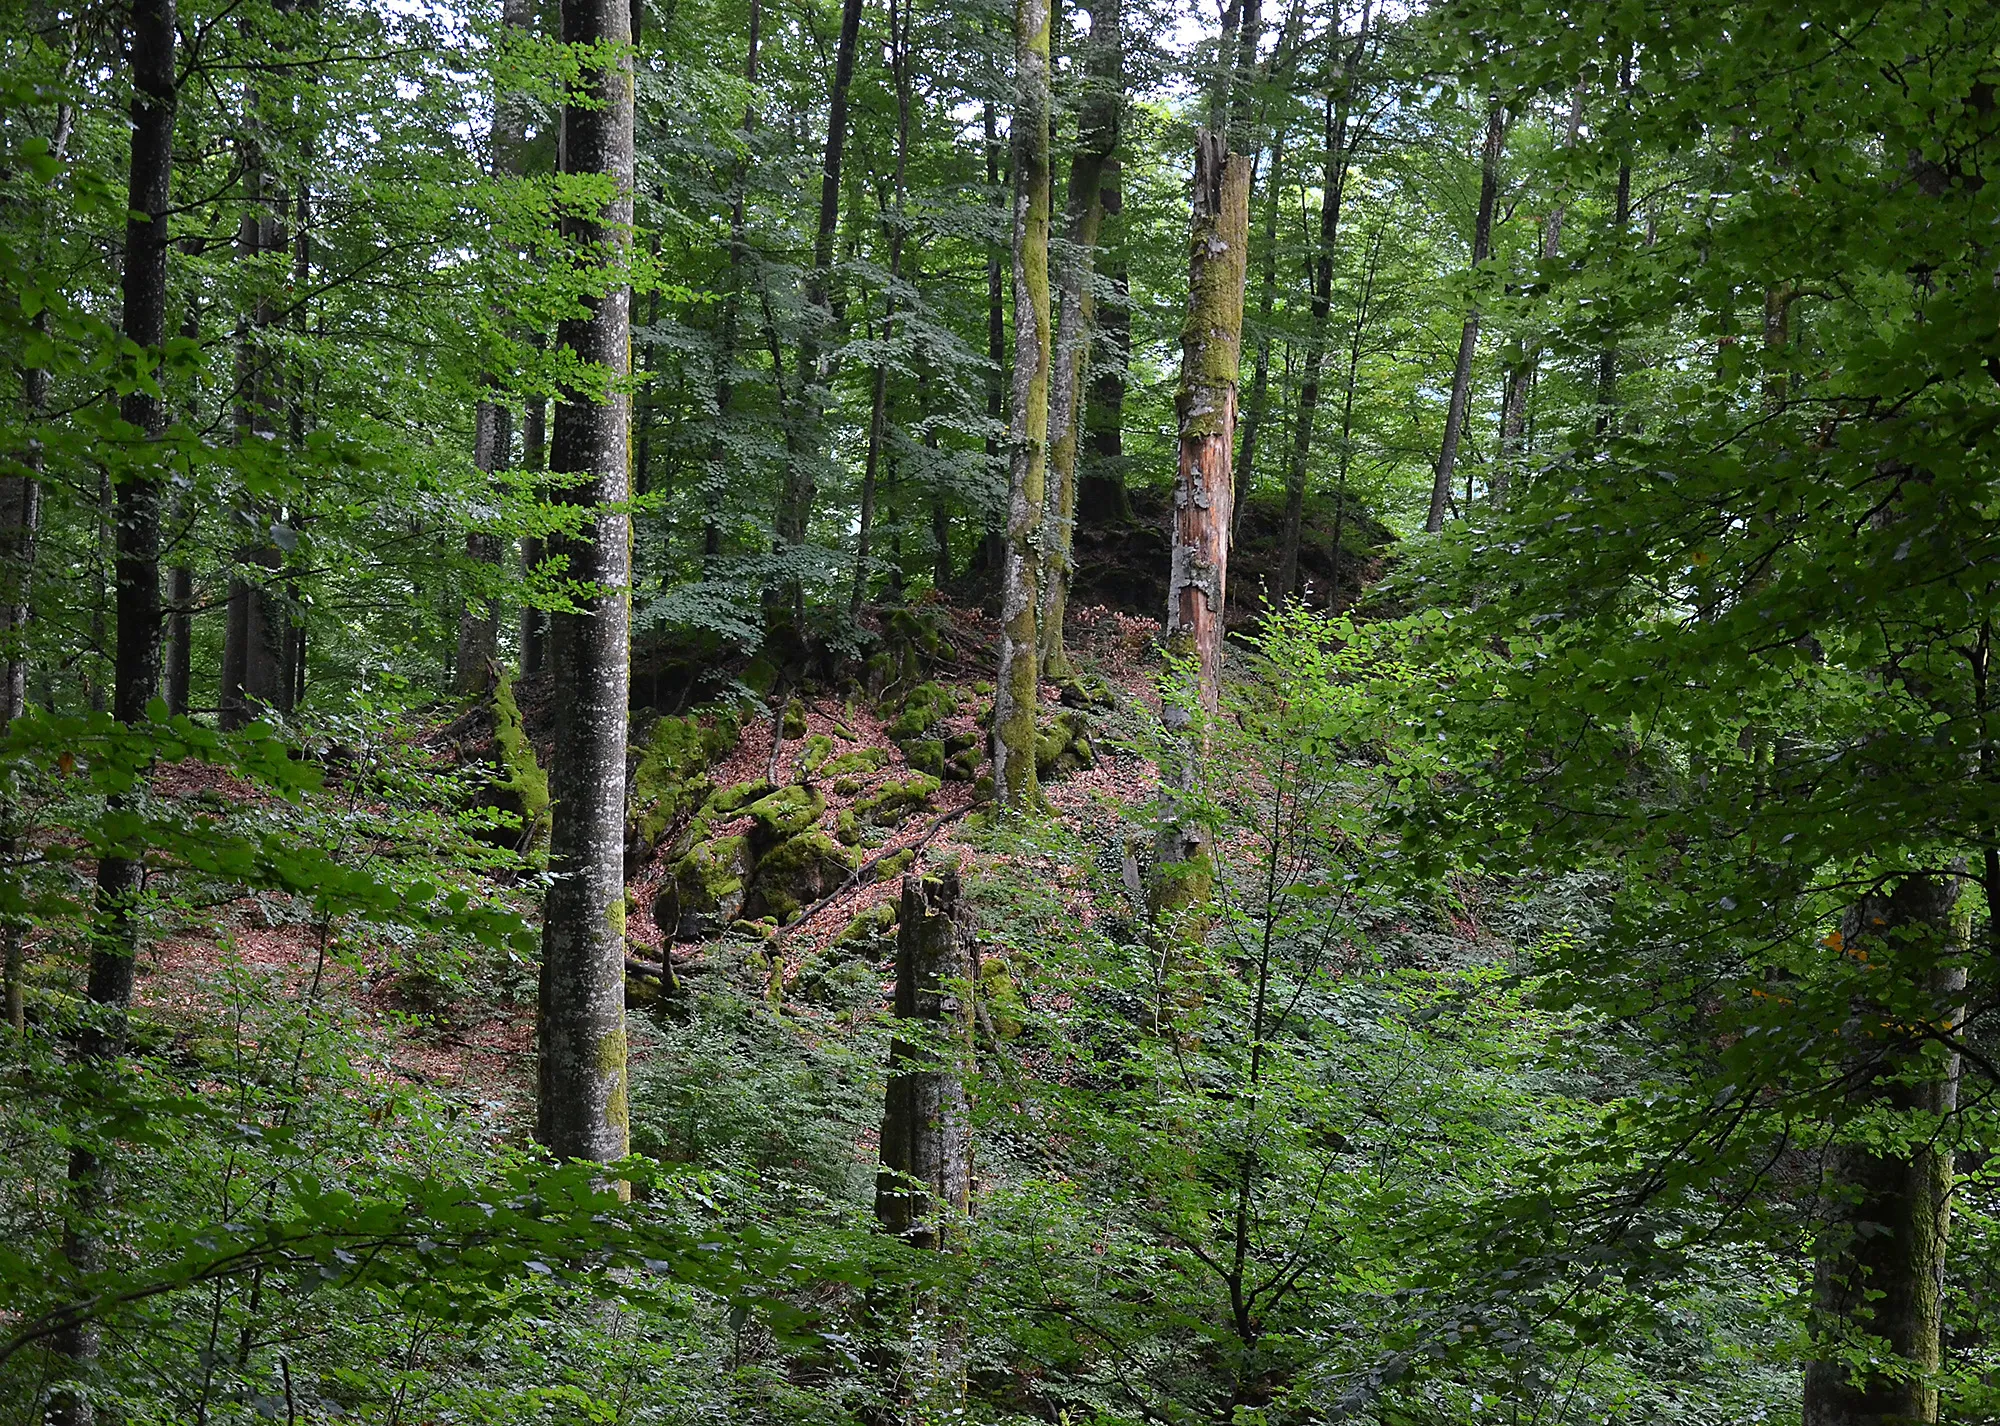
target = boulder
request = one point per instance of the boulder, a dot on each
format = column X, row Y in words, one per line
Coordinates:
column 794, row 874
column 706, row 890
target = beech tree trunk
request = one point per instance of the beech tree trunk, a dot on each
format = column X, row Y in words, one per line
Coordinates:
column 1102, row 105
column 732, row 303
column 136, row 672
column 583, row 1110
column 1101, row 496
column 993, row 540
column 1621, row 219
column 1468, row 337
column 801, row 480
column 1017, row 690
column 1878, row 1268
column 534, row 621
column 926, row 1175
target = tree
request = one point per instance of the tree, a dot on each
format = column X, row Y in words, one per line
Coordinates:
column 582, row 1101
column 1018, row 687
column 1468, row 338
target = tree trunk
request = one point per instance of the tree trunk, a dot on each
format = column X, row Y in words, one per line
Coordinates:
column 1879, row 1265
column 1260, row 366
column 1521, row 375
column 1333, row 188
column 583, row 1109
column 1018, row 687
column 136, row 673
column 1211, row 353
column 1101, row 496
column 801, row 482
column 732, row 303
column 1468, row 337
column 1363, row 311
column 878, row 410
column 1097, row 123
column 1621, row 219
column 993, row 543
column 534, row 621
column 926, row 1175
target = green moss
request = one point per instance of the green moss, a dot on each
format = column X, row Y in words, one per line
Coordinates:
column 818, row 748
column 760, row 676
column 670, row 778
column 847, row 786
column 795, row 873
column 861, row 760
column 1001, row 996
column 963, row 766
column 706, row 888
column 927, row 705
column 795, row 719
column 785, row 813
column 871, row 923
column 521, row 774
column 894, row 801
column 926, row 755
column 845, row 829
column 894, row 865
column 728, row 801
column 1063, row 744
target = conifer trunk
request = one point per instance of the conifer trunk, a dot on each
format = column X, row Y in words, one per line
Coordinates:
column 1017, row 688
column 1468, row 337
column 136, row 671
column 582, row 1108
column 1097, row 142
column 1878, row 1269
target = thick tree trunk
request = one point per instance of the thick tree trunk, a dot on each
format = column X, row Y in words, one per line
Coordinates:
column 1018, row 687
column 136, row 673
column 801, row 480
column 926, row 1177
column 1878, row 1269
column 1102, row 105
column 583, row 1109
column 1468, row 337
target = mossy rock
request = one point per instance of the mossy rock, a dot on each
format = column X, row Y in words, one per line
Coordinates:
column 760, row 676
column 915, row 628
column 894, row 865
column 705, row 891
column 960, row 742
column 856, row 763
column 796, row 873
column 894, row 801
column 846, row 830
column 926, row 755
column 728, row 801
column 670, row 779
column 795, row 719
column 521, row 787
column 963, row 766
column 877, row 921
column 781, row 815
column 847, row 786
column 1002, row 998
column 813, row 756
column 1063, row 745
column 1087, row 691
column 926, row 706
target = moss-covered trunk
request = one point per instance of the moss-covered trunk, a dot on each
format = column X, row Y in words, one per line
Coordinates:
column 1017, row 687
column 1097, row 141
column 582, row 1105
column 1878, row 1268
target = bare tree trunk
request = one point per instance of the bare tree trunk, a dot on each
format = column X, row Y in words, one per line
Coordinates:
column 115, row 934
column 1101, row 107
column 1101, row 496
column 1879, row 1265
column 1018, row 687
column 732, row 303
column 801, row 482
column 878, row 410
column 993, row 543
column 1468, row 337
column 583, row 1110
column 1258, row 405
column 1363, row 311
column 1211, row 354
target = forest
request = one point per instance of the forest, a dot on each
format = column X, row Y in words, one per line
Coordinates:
column 904, row 712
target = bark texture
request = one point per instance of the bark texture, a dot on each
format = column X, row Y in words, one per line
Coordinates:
column 1018, row 686
column 1468, row 337
column 136, row 671
column 534, row 621
column 583, row 1106
column 926, row 1176
column 1097, row 124
column 1879, row 1265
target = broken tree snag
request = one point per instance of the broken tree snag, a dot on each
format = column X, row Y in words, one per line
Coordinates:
column 1211, row 347
column 926, row 1175
column 1886, row 1207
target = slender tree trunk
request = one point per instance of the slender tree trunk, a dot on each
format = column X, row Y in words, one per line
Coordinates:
column 994, row 543
column 1101, row 107
column 732, row 302
column 1621, row 219
column 1018, row 687
column 1258, row 405
column 878, row 409
column 801, row 482
column 1363, row 311
column 534, row 621
column 1521, row 375
column 115, row 933
column 1468, row 337
column 1879, row 1266
column 1101, row 497
column 583, row 1109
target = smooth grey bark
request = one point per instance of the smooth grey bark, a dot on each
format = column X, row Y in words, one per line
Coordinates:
column 136, row 670
column 582, row 1106
column 1878, row 1267
column 534, row 620
column 1468, row 336
column 732, row 301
